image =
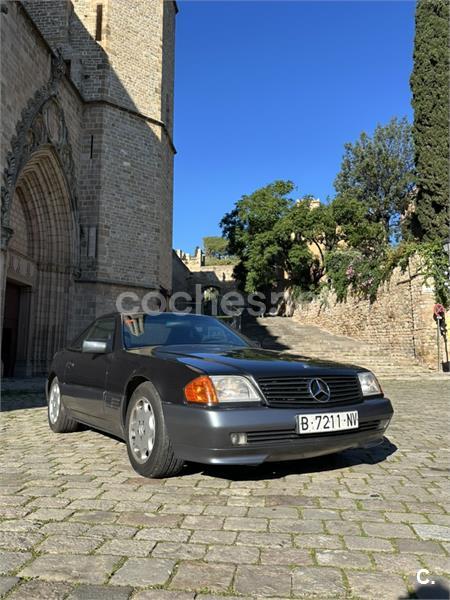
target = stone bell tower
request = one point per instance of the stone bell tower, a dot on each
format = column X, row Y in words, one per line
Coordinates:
column 112, row 93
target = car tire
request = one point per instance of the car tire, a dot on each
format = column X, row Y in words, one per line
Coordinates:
column 58, row 419
column 148, row 443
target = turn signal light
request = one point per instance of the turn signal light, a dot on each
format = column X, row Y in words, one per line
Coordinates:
column 201, row 391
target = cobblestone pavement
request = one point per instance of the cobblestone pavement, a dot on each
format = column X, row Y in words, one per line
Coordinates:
column 77, row 523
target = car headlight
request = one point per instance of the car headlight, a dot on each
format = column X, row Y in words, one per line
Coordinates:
column 219, row 389
column 369, row 384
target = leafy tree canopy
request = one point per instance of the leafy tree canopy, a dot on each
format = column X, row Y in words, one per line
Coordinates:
column 215, row 246
column 378, row 172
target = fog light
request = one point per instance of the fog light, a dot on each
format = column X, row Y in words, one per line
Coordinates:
column 238, row 439
column 384, row 423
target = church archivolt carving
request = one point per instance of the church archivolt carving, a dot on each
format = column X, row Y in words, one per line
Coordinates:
column 42, row 122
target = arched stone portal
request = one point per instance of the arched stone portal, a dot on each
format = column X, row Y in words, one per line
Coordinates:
column 41, row 255
column 41, row 261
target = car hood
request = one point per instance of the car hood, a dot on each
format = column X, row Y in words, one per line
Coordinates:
column 254, row 361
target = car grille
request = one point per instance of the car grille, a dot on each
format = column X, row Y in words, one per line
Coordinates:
column 288, row 435
column 291, row 392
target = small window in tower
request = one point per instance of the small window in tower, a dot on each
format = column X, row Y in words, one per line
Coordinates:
column 98, row 23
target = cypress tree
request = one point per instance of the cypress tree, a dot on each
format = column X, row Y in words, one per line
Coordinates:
column 430, row 89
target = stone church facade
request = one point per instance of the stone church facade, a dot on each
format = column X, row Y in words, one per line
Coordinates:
column 87, row 166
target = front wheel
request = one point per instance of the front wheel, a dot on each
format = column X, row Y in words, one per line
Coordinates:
column 58, row 419
column 148, row 443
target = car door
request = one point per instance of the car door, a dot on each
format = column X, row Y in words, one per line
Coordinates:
column 86, row 372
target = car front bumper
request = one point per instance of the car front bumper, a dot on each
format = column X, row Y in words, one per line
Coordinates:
column 203, row 434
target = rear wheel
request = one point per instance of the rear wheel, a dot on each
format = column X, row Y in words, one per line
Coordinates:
column 149, row 447
column 58, row 419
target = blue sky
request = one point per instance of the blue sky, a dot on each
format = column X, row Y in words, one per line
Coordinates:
column 272, row 90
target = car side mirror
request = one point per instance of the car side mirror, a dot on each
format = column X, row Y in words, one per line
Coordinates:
column 94, row 347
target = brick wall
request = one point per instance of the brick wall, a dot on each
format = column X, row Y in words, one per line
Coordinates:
column 400, row 321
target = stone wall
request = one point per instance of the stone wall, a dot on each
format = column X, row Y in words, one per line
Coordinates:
column 90, row 116
column 400, row 321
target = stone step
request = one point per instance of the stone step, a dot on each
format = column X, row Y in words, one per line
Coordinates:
column 286, row 335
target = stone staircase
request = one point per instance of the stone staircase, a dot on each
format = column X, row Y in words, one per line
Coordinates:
column 286, row 335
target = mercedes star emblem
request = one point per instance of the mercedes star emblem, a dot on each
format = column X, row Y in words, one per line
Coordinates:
column 319, row 390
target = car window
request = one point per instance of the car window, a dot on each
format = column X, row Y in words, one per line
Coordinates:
column 78, row 342
column 168, row 329
column 102, row 331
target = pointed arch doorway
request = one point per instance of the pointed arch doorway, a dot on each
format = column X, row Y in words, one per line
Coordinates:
column 40, row 263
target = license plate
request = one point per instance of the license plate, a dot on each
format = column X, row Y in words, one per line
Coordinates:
column 324, row 422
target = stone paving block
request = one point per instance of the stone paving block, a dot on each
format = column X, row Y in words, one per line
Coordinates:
column 296, row 526
column 274, row 512
column 433, row 532
column 318, row 582
column 320, row 514
column 365, row 516
column 100, row 592
column 289, row 500
column 203, row 576
column 41, row 590
column 359, row 542
column 7, row 583
column 50, row 514
column 111, row 531
column 245, row 524
column 263, row 580
column 194, row 522
column 141, row 572
column 426, row 507
column 388, row 530
column 398, row 563
column 342, row 527
column 265, row 540
column 179, row 551
column 373, row 586
column 125, row 547
column 162, row 535
column 139, row 519
column 13, row 500
column 343, row 559
column 232, row 554
column 60, row 544
column 49, row 503
column 183, row 509
column 286, row 556
column 419, row 546
column 318, row 541
column 213, row 537
column 12, row 540
column 94, row 516
column 227, row 597
column 225, row 511
column 439, row 519
column 80, row 493
column 73, row 568
column 22, row 525
column 165, row 595
column 400, row 517
column 11, row 561
column 98, row 505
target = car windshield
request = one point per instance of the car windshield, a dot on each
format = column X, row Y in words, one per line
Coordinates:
column 169, row 329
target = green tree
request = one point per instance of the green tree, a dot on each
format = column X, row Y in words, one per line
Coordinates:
column 215, row 247
column 430, row 89
column 277, row 238
column 254, row 235
column 378, row 172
